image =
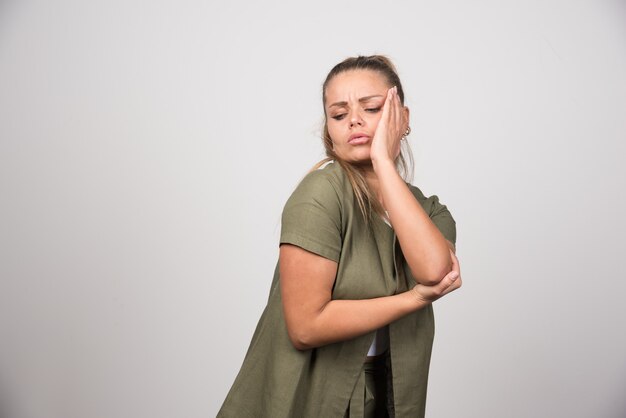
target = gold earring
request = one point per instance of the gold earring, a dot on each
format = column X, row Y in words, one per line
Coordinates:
column 408, row 131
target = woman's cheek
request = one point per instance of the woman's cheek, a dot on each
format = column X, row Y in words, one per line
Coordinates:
column 375, row 119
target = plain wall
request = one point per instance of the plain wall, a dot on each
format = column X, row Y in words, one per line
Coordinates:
column 147, row 150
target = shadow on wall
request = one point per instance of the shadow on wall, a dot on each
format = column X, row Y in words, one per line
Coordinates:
column 4, row 405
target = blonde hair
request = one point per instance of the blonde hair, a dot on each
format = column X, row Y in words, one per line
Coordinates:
column 364, row 195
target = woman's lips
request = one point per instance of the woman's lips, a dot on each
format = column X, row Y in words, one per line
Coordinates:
column 359, row 140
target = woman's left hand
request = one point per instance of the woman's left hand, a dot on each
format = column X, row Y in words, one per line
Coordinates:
column 391, row 127
column 450, row 282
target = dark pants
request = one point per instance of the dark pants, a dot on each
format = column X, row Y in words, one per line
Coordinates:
column 376, row 395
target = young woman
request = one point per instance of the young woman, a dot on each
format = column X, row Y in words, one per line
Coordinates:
column 348, row 327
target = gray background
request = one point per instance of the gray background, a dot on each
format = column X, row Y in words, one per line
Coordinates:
column 147, row 150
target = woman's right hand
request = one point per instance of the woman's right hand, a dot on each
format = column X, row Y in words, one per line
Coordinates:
column 449, row 283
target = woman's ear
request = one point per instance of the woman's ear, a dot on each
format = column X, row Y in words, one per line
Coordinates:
column 406, row 112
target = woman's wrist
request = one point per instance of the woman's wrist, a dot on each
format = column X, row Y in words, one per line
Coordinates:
column 418, row 298
column 381, row 164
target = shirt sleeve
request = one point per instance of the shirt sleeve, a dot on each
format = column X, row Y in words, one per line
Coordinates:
column 311, row 218
column 438, row 213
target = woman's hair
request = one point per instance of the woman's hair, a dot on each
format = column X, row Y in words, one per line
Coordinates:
column 365, row 197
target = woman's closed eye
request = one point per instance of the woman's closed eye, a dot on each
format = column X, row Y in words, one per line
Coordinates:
column 369, row 110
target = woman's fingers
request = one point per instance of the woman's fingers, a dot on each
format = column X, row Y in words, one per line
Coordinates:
column 380, row 142
column 397, row 111
column 454, row 284
column 455, row 262
column 400, row 117
column 386, row 107
column 432, row 293
column 456, row 271
column 395, row 114
column 450, row 282
column 390, row 127
column 392, row 108
column 394, row 131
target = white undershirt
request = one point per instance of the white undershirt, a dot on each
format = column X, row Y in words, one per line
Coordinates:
column 380, row 344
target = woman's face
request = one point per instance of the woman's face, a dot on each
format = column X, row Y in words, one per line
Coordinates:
column 354, row 103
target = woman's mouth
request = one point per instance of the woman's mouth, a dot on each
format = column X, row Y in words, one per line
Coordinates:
column 358, row 140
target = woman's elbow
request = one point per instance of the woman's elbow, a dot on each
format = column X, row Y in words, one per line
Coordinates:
column 434, row 274
column 301, row 346
column 301, row 338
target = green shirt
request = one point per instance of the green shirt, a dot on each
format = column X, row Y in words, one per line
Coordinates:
column 276, row 380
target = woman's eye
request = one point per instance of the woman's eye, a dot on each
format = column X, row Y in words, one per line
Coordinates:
column 373, row 109
column 339, row 117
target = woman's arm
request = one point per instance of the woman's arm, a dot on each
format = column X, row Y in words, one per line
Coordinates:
column 313, row 319
column 424, row 247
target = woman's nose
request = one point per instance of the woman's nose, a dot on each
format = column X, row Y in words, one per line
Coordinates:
column 355, row 119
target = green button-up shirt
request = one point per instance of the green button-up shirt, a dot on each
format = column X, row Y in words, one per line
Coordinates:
column 276, row 380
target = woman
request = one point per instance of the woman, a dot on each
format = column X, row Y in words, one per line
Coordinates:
column 348, row 327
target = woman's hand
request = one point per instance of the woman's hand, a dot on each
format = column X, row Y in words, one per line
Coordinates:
column 391, row 127
column 449, row 283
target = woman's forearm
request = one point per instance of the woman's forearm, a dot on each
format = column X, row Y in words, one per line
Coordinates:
column 340, row 320
column 314, row 319
column 423, row 245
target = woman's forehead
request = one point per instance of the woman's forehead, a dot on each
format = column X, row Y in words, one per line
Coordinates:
column 361, row 83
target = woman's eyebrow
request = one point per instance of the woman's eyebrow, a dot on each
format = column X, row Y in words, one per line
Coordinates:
column 361, row 100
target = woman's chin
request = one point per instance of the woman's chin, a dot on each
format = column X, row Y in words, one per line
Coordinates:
column 362, row 162
column 358, row 157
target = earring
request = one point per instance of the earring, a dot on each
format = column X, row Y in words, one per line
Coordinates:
column 408, row 131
